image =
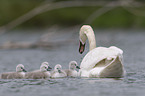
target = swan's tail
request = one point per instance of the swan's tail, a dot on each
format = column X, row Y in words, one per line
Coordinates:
column 113, row 70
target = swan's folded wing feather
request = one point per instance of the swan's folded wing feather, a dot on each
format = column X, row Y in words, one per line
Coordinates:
column 114, row 69
column 96, row 55
column 117, row 49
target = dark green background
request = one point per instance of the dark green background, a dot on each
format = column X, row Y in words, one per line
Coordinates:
column 116, row 18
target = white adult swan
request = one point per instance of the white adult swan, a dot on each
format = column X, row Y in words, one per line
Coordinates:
column 100, row 61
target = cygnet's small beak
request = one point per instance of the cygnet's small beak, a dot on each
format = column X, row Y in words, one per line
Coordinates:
column 49, row 68
column 24, row 70
column 81, row 48
column 59, row 71
column 77, row 67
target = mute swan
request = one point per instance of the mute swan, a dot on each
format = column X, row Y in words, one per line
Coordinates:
column 43, row 73
column 58, row 72
column 100, row 61
column 19, row 74
column 71, row 72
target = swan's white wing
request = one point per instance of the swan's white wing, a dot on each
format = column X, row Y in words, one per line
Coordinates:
column 114, row 69
column 117, row 49
column 96, row 55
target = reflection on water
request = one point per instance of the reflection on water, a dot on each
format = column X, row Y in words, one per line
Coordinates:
column 131, row 85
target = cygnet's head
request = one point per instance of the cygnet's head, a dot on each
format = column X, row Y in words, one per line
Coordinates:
column 58, row 68
column 47, row 64
column 73, row 65
column 43, row 68
column 20, row 68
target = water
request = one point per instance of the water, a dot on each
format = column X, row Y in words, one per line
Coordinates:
column 133, row 84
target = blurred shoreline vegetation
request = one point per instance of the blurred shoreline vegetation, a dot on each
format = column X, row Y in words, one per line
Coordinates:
column 54, row 15
column 127, row 16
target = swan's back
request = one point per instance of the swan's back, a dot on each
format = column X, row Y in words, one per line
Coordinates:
column 96, row 55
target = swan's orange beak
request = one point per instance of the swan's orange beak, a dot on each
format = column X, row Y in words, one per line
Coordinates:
column 81, row 48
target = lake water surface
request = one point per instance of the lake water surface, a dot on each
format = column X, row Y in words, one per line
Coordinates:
column 131, row 41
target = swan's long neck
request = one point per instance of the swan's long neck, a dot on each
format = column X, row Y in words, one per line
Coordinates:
column 87, row 32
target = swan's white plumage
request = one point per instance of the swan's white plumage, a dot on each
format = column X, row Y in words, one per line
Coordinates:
column 95, row 56
column 100, row 61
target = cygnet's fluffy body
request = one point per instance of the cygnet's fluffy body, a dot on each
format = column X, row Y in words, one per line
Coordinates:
column 19, row 74
column 42, row 74
column 58, row 72
column 71, row 72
